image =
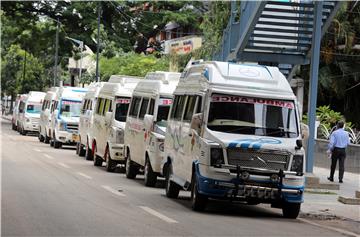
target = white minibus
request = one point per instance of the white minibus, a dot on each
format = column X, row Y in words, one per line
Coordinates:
column 146, row 125
column 86, row 119
column 65, row 116
column 45, row 115
column 109, row 121
column 234, row 133
column 29, row 112
column 15, row 115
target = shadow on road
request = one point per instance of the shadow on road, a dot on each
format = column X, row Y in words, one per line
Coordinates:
column 227, row 208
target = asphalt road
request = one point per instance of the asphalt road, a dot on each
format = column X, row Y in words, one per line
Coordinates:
column 50, row 192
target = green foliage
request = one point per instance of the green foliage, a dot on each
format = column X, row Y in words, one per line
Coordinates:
column 327, row 117
column 18, row 75
column 213, row 25
column 131, row 64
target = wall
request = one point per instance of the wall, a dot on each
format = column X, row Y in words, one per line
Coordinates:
column 352, row 162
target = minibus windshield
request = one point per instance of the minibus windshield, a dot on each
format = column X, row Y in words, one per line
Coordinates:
column 122, row 106
column 70, row 108
column 163, row 111
column 253, row 116
column 33, row 108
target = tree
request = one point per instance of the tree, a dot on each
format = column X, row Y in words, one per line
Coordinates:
column 131, row 64
column 21, row 72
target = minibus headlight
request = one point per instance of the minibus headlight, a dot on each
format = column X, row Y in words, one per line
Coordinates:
column 62, row 126
column 216, row 157
column 119, row 136
column 297, row 164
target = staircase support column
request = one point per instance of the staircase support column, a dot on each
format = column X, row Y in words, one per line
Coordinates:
column 314, row 71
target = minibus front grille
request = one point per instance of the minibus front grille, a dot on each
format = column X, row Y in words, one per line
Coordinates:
column 72, row 127
column 35, row 121
column 258, row 159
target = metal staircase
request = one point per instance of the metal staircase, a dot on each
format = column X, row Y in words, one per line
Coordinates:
column 275, row 33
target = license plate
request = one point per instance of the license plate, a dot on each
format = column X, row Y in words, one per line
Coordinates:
column 75, row 137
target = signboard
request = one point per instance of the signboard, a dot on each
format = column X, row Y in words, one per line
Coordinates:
column 183, row 45
column 249, row 100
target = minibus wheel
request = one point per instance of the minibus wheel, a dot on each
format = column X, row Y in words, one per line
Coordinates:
column 88, row 153
column 57, row 144
column 171, row 188
column 198, row 201
column 110, row 164
column 82, row 151
column 149, row 175
column 41, row 138
column 130, row 168
column 291, row 210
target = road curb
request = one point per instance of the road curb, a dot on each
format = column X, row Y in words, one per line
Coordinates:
column 344, row 232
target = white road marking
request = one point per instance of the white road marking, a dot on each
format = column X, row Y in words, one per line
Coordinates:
column 63, row 165
column 113, row 191
column 84, row 175
column 158, row 215
column 35, row 149
column 49, row 157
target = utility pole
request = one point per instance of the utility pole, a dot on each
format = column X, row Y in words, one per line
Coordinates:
column 24, row 69
column 56, row 51
column 314, row 74
column 98, row 43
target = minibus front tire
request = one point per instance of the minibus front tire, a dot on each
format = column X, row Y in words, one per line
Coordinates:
column 171, row 188
column 88, row 153
column 198, row 201
column 291, row 210
column 47, row 139
column 97, row 160
column 57, row 144
column 131, row 169
column 41, row 138
column 150, row 176
column 110, row 164
column 82, row 151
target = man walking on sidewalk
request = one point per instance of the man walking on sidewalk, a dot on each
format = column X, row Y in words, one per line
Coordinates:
column 339, row 140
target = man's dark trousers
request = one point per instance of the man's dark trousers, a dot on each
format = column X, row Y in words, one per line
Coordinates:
column 338, row 154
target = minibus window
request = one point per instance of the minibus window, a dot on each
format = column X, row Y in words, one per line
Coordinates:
column 107, row 106
column 135, row 106
column 176, row 101
column 189, row 109
column 121, row 109
column 253, row 116
column 33, row 108
column 70, row 108
column 43, row 105
column 143, row 107
column 179, row 107
column 151, row 108
column 162, row 114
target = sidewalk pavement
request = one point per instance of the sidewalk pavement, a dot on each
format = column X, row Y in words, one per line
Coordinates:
column 325, row 203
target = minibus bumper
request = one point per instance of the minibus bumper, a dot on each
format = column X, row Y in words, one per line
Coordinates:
column 65, row 137
column 117, row 152
column 258, row 187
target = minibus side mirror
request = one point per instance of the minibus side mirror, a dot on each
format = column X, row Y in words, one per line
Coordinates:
column 108, row 118
column 148, row 122
column 196, row 121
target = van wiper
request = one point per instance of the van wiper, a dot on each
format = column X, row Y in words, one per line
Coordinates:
column 280, row 131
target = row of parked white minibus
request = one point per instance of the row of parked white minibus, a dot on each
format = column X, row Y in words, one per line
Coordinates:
column 220, row 130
